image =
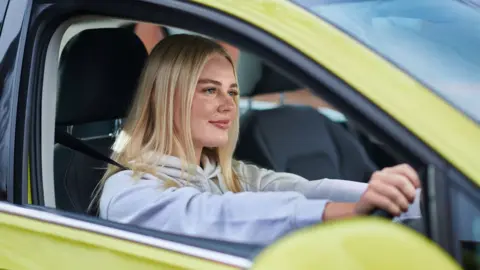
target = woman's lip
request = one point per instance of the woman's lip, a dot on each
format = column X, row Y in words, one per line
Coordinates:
column 221, row 124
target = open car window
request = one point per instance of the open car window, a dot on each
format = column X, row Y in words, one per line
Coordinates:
column 436, row 41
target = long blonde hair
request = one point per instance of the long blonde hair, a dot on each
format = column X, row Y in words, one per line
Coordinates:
column 174, row 65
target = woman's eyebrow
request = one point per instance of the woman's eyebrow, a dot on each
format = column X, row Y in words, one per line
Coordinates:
column 209, row 81
column 233, row 85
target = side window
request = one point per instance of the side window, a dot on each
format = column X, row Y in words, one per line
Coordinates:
column 466, row 222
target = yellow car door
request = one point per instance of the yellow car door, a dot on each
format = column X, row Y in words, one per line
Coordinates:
column 36, row 239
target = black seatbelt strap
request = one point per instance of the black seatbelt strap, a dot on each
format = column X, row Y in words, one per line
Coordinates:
column 67, row 140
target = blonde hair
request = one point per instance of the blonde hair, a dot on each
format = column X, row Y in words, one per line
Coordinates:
column 173, row 67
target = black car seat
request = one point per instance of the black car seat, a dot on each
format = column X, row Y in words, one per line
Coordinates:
column 301, row 140
column 98, row 73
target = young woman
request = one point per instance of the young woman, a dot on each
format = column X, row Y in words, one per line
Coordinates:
column 177, row 144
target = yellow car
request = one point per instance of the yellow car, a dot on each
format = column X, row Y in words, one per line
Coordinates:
column 403, row 75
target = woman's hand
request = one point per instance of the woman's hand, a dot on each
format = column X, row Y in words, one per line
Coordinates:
column 391, row 189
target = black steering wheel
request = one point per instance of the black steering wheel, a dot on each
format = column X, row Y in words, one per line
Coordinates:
column 381, row 213
column 417, row 224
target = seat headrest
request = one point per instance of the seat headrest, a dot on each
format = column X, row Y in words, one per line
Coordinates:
column 98, row 74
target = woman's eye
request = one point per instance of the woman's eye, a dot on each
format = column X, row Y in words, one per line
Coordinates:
column 233, row 93
column 210, row 90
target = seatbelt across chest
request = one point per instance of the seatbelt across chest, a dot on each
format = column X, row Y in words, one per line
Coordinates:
column 67, row 140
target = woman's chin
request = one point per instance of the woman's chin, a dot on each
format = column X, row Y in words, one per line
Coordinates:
column 216, row 142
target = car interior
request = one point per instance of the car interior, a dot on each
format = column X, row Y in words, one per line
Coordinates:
column 92, row 67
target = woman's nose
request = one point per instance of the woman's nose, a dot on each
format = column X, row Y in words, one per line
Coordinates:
column 227, row 103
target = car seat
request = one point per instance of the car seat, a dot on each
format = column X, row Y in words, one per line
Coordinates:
column 98, row 73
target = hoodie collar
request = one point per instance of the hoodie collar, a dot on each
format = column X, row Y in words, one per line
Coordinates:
column 171, row 166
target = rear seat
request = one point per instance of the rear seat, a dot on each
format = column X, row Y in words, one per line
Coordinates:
column 99, row 69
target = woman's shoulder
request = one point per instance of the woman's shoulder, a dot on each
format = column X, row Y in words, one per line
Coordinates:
column 249, row 173
column 126, row 179
column 120, row 177
column 260, row 178
column 246, row 168
column 125, row 184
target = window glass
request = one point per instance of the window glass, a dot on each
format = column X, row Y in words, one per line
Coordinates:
column 435, row 40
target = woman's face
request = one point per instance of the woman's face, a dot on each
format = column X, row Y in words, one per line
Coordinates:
column 213, row 106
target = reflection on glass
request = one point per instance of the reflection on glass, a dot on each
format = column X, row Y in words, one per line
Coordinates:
column 437, row 41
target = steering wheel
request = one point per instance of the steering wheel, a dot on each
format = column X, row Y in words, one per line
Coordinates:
column 417, row 224
column 381, row 213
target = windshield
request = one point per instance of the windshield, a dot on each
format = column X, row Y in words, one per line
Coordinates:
column 436, row 41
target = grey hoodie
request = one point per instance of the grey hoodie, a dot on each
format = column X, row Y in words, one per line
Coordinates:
column 272, row 204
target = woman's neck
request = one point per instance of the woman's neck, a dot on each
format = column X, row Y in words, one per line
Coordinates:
column 198, row 155
column 179, row 152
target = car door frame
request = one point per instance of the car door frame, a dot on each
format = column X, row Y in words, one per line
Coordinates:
column 278, row 52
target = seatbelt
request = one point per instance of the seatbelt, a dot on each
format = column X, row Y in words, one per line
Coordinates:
column 67, row 140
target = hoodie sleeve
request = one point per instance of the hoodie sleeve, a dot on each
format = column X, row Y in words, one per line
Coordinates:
column 259, row 179
column 247, row 217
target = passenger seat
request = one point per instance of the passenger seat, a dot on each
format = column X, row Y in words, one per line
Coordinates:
column 98, row 74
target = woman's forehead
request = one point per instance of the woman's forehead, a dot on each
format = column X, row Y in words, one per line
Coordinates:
column 218, row 65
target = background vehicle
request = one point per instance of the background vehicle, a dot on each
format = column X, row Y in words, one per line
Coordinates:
column 42, row 224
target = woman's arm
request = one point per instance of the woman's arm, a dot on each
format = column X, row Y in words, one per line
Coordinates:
column 259, row 179
column 345, row 192
column 248, row 217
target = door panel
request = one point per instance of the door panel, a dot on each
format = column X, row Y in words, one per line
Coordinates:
column 48, row 243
